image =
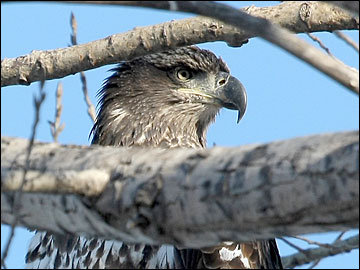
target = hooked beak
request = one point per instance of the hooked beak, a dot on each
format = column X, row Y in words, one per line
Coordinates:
column 233, row 96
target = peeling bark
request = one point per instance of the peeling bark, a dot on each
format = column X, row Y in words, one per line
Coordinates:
column 186, row 197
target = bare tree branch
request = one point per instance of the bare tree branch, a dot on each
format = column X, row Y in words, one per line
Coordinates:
column 348, row 40
column 17, row 196
column 352, row 6
column 291, row 244
column 311, row 242
column 313, row 254
column 91, row 108
column 315, row 263
column 140, row 41
column 55, row 126
column 178, row 196
column 341, row 234
column 308, row 252
column 298, row 17
column 322, row 45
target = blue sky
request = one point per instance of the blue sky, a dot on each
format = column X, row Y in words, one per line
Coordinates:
column 286, row 97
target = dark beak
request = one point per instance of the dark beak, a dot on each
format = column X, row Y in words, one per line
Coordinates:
column 233, row 96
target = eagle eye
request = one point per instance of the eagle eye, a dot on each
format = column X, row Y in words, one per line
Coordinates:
column 183, row 74
column 221, row 82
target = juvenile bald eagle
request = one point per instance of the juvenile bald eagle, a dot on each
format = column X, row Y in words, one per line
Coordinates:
column 163, row 100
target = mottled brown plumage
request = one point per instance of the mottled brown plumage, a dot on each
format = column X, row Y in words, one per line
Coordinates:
column 163, row 100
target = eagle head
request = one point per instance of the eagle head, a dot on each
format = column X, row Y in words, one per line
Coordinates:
column 166, row 99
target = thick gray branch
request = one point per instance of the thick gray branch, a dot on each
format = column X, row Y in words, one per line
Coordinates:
column 288, row 14
column 337, row 70
column 185, row 196
column 140, row 41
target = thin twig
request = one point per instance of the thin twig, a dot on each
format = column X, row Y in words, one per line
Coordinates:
column 73, row 24
column 73, row 37
column 311, row 242
column 55, row 126
column 291, row 244
column 347, row 39
column 18, row 193
column 91, row 108
column 338, row 238
column 322, row 45
column 313, row 254
column 294, row 246
column 315, row 263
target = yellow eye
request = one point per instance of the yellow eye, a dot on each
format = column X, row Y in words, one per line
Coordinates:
column 183, row 74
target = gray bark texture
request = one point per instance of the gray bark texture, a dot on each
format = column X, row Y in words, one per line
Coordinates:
column 299, row 17
column 350, row 6
column 187, row 197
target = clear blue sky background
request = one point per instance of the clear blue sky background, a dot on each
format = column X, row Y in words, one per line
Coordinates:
column 286, row 97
